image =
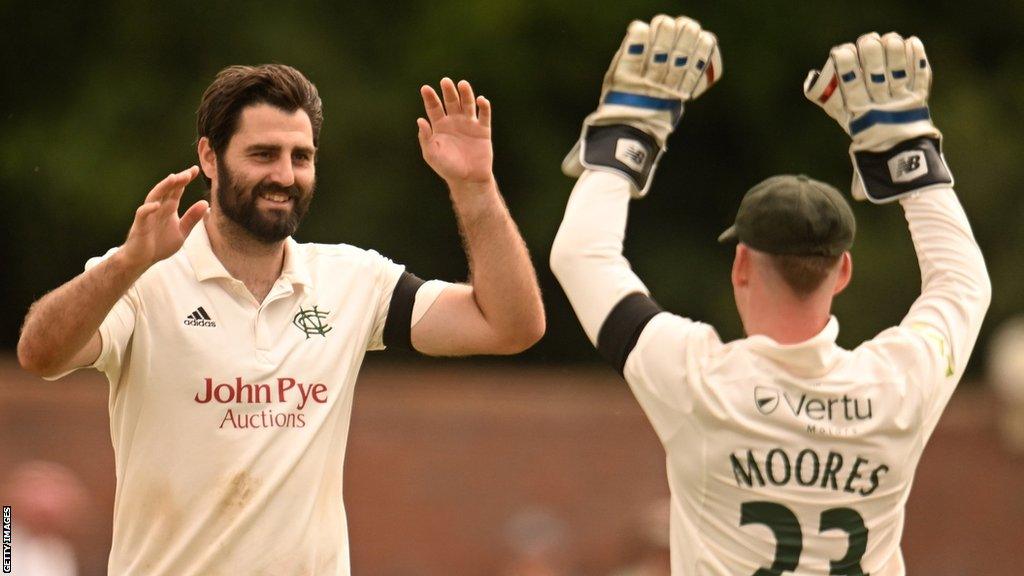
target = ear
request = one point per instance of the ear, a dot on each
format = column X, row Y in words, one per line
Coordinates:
column 207, row 159
column 741, row 266
column 845, row 273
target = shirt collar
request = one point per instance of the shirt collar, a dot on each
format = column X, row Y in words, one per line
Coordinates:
column 812, row 357
column 295, row 269
column 206, row 264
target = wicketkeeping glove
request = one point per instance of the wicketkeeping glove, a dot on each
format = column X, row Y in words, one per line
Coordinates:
column 878, row 92
column 657, row 69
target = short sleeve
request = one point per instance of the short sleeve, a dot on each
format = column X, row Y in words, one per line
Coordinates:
column 387, row 279
column 402, row 300
column 115, row 331
column 664, row 368
column 117, row 328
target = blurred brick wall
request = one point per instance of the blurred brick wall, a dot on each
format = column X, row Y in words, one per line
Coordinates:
column 442, row 456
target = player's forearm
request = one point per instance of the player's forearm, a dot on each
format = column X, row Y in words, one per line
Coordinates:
column 586, row 256
column 60, row 324
column 503, row 278
column 955, row 287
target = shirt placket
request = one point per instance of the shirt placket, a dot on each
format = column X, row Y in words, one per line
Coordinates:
column 262, row 330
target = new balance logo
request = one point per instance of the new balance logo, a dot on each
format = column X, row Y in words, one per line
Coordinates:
column 631, row 153
column 636, row 155
column 907, row 166
column 200, row 318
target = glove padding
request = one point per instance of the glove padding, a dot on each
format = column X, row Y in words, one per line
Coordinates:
column 655, row 71
column 877, row 89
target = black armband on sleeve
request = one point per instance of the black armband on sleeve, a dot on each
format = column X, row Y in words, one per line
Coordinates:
column 398, row 326
column 621, row 329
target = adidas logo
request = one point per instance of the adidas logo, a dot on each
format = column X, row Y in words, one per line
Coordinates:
column 200, row 318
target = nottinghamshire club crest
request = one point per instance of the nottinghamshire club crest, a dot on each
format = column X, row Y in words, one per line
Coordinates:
column 311, row 321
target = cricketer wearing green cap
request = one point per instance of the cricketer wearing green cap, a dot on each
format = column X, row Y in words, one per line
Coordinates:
column 785, row 452
column 794, row 215
column 797, row 230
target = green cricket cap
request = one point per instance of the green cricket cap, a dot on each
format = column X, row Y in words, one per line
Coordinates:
column 793, row 215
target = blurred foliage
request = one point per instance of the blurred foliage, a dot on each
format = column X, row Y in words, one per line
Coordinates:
column 99, row 101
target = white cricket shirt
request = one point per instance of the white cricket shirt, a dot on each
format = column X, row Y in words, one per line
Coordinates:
column 786, row 459
column 229, row 417
column 800, row 458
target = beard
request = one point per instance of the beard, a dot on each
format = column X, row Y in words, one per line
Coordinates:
column 239, row 205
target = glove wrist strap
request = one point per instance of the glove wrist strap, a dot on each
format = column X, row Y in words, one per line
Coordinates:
column 623, row 149
column 911, row 166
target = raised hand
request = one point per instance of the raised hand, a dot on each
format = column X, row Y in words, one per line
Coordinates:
column 658, row 68
column 456, row 137
column 877, row 90
column 157, row 231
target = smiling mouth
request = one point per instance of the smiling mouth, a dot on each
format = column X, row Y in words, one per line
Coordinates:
column 276, row 197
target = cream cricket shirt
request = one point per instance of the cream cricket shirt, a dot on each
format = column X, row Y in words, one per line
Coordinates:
column 782, row 459
column 229, row 418
column 800, row 458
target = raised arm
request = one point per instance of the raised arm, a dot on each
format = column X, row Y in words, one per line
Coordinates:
column 586, row 256
column 499, row 311
column 657, row 69
column 955, row 287
column 877, row 89
column 61, row 329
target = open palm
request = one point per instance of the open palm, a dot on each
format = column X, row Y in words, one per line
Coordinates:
column 157, row 231
column 456, row 141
